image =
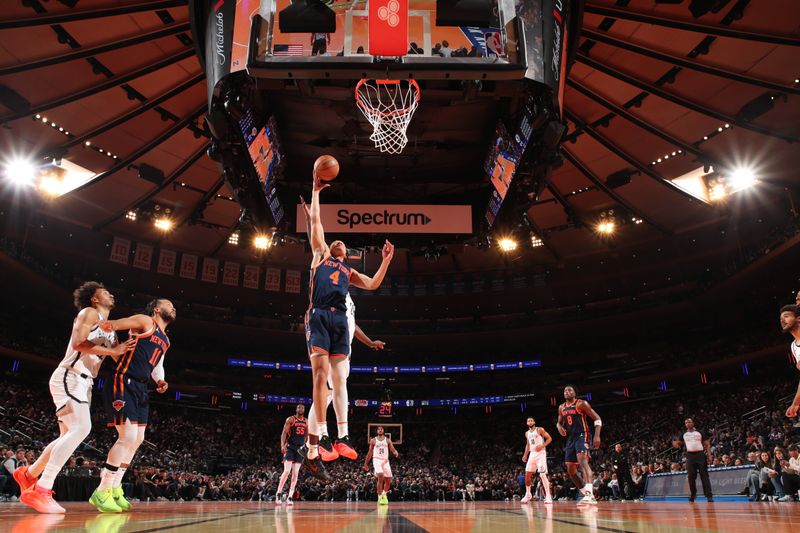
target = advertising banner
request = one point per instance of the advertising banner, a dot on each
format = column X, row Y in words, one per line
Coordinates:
column 368, row 218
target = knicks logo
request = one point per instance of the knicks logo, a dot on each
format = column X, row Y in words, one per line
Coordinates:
column 118, row 405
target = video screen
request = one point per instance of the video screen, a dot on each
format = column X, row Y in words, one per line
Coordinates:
column 264, row 149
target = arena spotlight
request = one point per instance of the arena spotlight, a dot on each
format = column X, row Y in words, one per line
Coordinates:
column 164, row 224
column 606, row 227
column 536, row 241
column 131, row 215
column 742, row 178
column 262, row 242
column 507, row 244
column 20, row 172
column 234, row 238
column 717, row 191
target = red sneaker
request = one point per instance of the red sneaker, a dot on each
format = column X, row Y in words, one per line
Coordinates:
column 326, row 450
column 345, row 450
column 23, row 478
column 41, row 500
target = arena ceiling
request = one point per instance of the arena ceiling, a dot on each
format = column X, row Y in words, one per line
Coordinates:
column 657, row 90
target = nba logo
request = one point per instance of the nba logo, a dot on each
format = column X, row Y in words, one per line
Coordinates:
column 388, row 27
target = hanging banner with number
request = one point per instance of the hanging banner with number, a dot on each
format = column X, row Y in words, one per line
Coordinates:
column 273, row 280
column 166, row 262
column 293, row 281
column 230, row 274
column 143, row 257
column 188, row 266
column 250, row 280
column 120, row 249
column 210, row 270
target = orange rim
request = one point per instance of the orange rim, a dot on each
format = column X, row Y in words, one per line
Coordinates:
column 402, row 111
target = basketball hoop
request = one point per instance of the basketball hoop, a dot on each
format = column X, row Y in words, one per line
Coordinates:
column 388, row 105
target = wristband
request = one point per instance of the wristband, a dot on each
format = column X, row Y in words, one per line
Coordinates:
column 598, row 422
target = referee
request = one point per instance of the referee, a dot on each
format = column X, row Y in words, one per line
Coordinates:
column 697, row 449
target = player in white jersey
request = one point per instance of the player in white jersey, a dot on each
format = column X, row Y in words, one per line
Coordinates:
column 535, row 458
column 790, row 323
column 337, row 381
column 379, row 448
column 71, row 389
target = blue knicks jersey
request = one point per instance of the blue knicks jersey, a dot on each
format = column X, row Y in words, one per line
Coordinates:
column 297, row 433
column 575, row 422
column 330, row 282
column 139, row 362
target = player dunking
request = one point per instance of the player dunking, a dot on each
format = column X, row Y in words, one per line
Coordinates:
column 293, row 437
column 337, row 380
column 535, row 459
column 790, row 323
column 327, row 330
column 573, row 412
column 126, row 397
column 379, row 448
column 71, row 389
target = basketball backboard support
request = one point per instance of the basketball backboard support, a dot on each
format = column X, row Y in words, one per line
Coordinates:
column 470, row 53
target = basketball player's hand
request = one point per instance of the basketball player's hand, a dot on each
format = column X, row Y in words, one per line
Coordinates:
column 396, row 455
column 538, row 447
column 283, row 449
column 306, row 209
column 561, row 430
column 318, row 184
column 388, row 251
column 525, row 458
column 791, row 412
column 366, row 468
column 162, row 386
column 378, row 345
column 596, row 442
column 123, row 347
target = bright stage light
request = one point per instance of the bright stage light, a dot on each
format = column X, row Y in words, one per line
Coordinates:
column 507, row 244
column 262, row 242
column 234, row 238
column 606, row 227
column 20, row 172
column 164, row 224
column 742, row 178
column 536, row 242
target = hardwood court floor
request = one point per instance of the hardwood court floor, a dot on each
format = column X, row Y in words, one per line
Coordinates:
column 491, row 517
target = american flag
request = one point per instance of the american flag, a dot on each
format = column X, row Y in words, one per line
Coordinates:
column 287, row 50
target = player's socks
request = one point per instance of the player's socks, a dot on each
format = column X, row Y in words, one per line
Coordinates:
column 107, row 476
column 313, row 452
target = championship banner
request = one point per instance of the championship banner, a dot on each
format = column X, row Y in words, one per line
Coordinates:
column 143, row 257
column 273, row 280
column 293, row 281
column 367, row 218
column 166, row 262
column 250, row 280
column 230, row 274
column 120, row 249
column 188, row 266
column 210, row 270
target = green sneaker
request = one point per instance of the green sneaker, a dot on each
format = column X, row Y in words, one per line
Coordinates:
column 104, row 501
column 383, row 500
column 119, row 499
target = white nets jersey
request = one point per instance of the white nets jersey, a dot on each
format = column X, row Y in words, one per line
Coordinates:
column 85, row 363
column 381, row 449
column 351, row 318
column 796, row 354
column 534, row 439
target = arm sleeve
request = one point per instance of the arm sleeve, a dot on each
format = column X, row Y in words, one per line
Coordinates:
column 158, row 372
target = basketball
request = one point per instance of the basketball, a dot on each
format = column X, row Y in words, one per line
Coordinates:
column 326, row 167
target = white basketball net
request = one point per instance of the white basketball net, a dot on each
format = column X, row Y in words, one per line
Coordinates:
column 388, row 105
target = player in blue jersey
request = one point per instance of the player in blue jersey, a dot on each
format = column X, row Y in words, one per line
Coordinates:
column 293, row 437
column 327, row 329
column 126, row 396
column 573, row 425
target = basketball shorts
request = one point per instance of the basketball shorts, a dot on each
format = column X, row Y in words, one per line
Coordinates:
column 66, row 385
column 575, row 445
column 382, row 466
column 126, row 400
column 537, row 462
column 292, row 454
column 327, row 332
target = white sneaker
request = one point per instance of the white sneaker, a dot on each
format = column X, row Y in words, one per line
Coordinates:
column 548, row 500
column 289, row 502
column 13, row 499
column 588, row 499
column 786, row 498
column 526, row 499
column 277, row 499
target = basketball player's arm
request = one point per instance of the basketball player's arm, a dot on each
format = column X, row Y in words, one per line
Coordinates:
column 391, row 448
column 366, row 341
column 317, row 233
column 137, row 323
column 158, row 376
column 791, row 412
column 369, row 455
column 372, row 283
column 598, row 424
column 547, row 439
column 527, row 450
column 560, row 424
column 285, row 433
column 86, row 319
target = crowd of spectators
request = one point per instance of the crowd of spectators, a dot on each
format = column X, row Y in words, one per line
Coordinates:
column 234, row 455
